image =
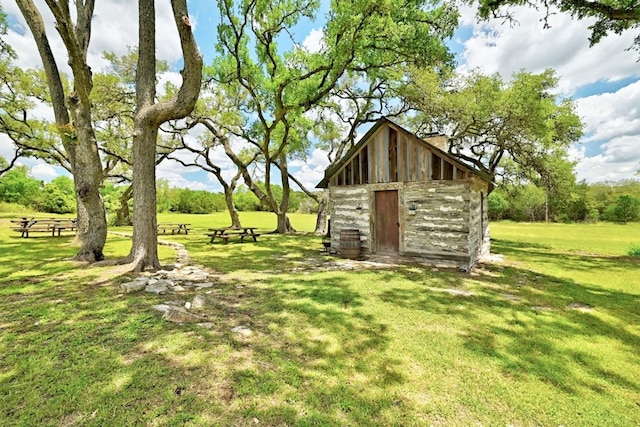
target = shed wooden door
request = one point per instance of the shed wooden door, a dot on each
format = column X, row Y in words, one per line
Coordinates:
column 387, row 226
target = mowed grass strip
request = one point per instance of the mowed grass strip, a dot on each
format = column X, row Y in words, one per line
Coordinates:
column 334, row 342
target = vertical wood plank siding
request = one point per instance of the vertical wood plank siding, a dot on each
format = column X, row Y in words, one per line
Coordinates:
column 395, row 156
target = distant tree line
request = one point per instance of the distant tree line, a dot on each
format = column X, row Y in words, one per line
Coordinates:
column 18, row 187
column 603, row 201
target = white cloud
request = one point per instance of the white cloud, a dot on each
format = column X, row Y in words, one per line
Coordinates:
column 114, row 29
column 178, row 175
column 498, row 47
column 44, row 172
column 620, row 159
column 317, row 158
column 309, row 176
column 311, row 171
column 612, row 120
column 7, row 149
column 314, row 42
column 611, row 114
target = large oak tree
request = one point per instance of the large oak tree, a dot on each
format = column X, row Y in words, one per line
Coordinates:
column 504, row 129
column 149, row 115
column 279, row 81
column 72, row 111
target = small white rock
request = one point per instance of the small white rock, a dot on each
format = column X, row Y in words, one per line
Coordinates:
column 242, row 330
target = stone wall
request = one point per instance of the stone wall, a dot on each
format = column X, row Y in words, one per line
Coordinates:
column 438, row 228
column 350, row 209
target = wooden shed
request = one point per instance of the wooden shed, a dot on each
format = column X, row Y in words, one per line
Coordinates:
column 394, row 193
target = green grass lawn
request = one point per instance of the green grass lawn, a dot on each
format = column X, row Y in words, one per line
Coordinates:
column 550, row 337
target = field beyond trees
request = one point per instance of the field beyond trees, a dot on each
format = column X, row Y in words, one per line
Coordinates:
column 548, row 336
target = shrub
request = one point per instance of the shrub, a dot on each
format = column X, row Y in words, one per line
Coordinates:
column 593, row 215
column 626, row 209
column 14, row 208
column 497, row 206
column 634, row 250
column 54, row 201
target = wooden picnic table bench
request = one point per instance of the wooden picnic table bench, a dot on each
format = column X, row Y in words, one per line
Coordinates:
column 226, row 233
column 174, row 227
column 55, row 226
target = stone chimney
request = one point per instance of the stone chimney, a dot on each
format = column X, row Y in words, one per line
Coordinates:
column 439, row 140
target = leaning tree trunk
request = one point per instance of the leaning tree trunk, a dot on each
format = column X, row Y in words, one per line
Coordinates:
column 231, row 207
column 77, row 135
column 123, row 215
column 92, row 219
column 228, row 196
column 322, row 201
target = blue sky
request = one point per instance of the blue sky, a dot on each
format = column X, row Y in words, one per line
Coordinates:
column 603, row 80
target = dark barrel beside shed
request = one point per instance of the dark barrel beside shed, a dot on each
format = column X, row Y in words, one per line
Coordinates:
column 350, row 243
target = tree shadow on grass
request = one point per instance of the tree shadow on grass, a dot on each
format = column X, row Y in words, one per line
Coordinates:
column 322, row 355
column 541, row 313
column 271, row 253
column 537, row 317
column 315, row 356
column 87, row 355
column 572, row 261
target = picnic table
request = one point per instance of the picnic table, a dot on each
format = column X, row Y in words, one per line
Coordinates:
column 174, row 227
column 227, row 232
column 55, row 226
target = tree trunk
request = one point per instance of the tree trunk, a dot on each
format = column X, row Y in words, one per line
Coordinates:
column 246, row 176
column 322, row 210
column 323, row 213
column 123, row 216
column 284, row 225
column 92, row 219
column 147, row 120
column 229, row 188
column 77, row 136
column 546, row 206
column 144, row 250
column 266, row 199
column 231, row 207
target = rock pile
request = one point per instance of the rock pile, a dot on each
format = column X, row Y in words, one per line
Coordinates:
column 174, row 282
column 179, row 280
